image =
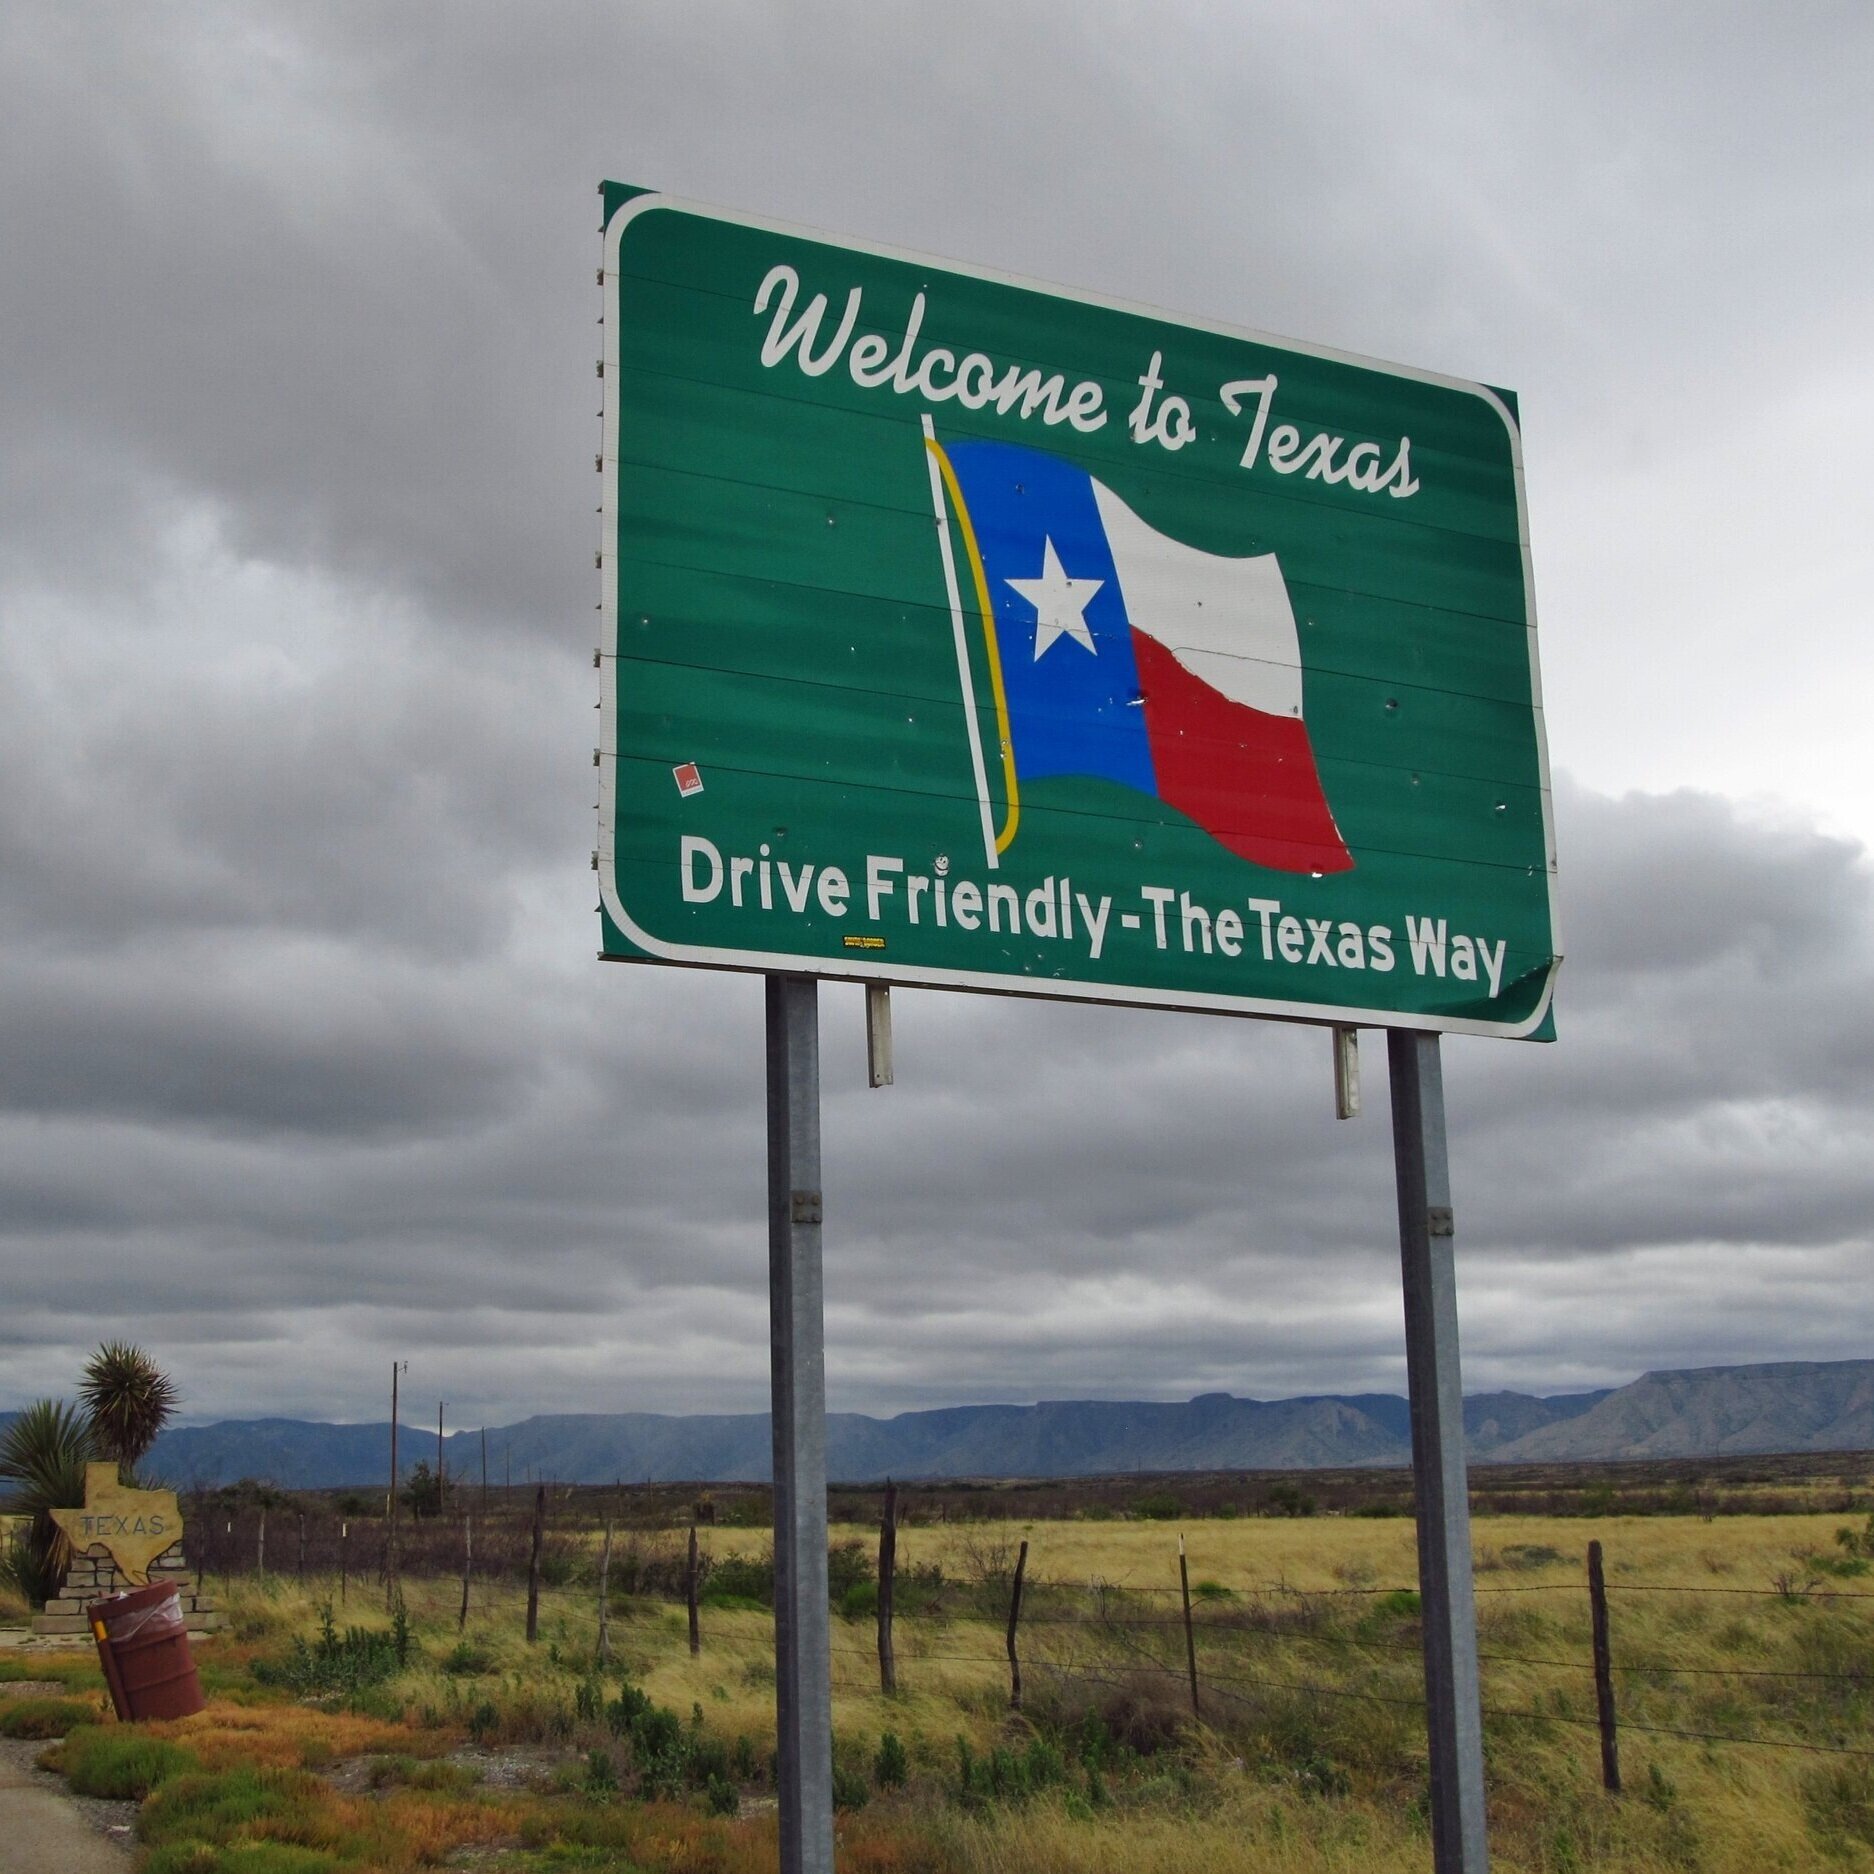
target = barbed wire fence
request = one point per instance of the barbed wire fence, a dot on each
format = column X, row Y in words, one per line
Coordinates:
column 1106, row 1635
column 1223, row 1651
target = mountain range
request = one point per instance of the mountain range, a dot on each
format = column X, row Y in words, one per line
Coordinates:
column 1792, row 1406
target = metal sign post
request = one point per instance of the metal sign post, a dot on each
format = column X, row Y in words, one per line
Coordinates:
column 803, row 1689
column 1454, row 1719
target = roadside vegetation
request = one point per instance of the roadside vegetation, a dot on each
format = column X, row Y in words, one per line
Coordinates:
column 124, row 1401
column 342, row 1735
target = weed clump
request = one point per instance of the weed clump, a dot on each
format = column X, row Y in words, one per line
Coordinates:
column 351, row 1661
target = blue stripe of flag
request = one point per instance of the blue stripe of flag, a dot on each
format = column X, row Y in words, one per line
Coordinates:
column 1073, row 711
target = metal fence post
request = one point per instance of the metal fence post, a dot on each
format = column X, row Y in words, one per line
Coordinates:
column 1603, row 1671
column 802, row 1659
column 1454, row 1719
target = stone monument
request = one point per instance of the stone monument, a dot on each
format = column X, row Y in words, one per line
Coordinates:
column 122, row 1538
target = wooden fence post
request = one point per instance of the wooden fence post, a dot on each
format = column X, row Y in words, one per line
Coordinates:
column 1015, row 1614
column 605, row 1597
column 1190, row 1633
column 344, row 1560
column 302, row 1546
column 468, row 1558
column 887, row 1572
column 533, row 1564
column 1603, row 1671
column 260, row 1544
column 689, row 1595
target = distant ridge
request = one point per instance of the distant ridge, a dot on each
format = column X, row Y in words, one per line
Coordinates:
column 1717, row 1411
column 1791, row 1406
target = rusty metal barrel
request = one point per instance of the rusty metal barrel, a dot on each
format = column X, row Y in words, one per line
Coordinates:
column 143, row 1646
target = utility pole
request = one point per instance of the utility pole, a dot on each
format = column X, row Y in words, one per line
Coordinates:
column 390, row 1533
column 439, row 1490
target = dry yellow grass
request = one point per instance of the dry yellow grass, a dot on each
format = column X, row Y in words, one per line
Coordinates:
column 1729, row 1809
column 1335, row 1552
column 1289, row 1781
column 296, row 1736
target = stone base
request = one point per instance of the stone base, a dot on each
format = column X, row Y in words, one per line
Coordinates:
column 93, row 1575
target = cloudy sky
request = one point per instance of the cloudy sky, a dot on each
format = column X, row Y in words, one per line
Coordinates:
column 305, row 1060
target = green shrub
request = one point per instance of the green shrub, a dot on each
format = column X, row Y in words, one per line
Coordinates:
column 1843, row 1567
column 384, row 1772
column 890, row 1767
column 467, row 1657
column 747, row 1581
column 666, row 1757
column 253, row 1857
column 42, row 1454
column 120, row 1764
column 218, row 1809
column 720, row 1796
column 339, row 1662
column 559, row 1566
column 850, row 1790
column 1287, row 1499
column 44, row 1717
column 418, row 1773
column 626, row 1708
column 1531, row 1555
column 860, row 1601
column 847, row 1565
column 744, row 1579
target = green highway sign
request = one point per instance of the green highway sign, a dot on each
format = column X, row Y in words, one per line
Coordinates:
column 974, row 633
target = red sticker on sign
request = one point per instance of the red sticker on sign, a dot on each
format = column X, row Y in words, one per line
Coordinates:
column 689, row 778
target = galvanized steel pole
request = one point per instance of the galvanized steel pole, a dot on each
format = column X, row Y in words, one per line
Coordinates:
column 1433, row 1381
column 802, row 1660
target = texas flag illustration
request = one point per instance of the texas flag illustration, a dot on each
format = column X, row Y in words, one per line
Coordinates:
column 1129, row 656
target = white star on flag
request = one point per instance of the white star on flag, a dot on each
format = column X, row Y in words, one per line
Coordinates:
column 1060, row 603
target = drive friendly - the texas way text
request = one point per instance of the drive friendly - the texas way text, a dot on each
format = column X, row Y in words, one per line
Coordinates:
column 1165, row 917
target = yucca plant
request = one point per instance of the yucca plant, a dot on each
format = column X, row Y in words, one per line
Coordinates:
column 43, row 1454
column 129, row 1399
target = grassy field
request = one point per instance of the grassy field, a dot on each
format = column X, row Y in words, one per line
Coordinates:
column 324, row 1750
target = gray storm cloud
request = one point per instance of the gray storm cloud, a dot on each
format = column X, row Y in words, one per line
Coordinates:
column 306, row 1062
